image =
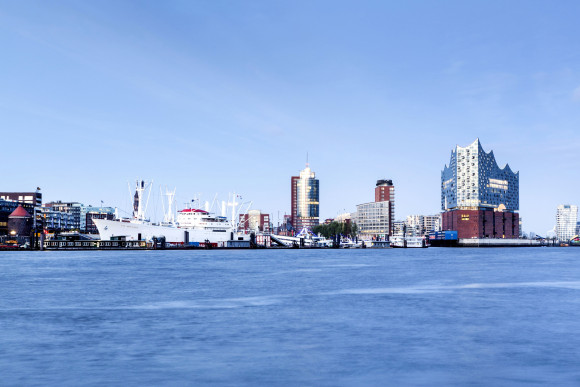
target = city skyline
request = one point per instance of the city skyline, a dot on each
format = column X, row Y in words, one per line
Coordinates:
column 216, row 98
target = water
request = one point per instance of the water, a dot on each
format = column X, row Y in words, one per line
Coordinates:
column 293, row 317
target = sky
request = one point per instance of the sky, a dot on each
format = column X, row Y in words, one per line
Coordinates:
column 221, row 96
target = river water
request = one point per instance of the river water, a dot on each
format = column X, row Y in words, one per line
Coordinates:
column 438, row 316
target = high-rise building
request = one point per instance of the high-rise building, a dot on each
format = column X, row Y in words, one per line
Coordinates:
column 305, row 200
column 375, row 219
column 566, row 222
column 479, row 199
column 385, row 192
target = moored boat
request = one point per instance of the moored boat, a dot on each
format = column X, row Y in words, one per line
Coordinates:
column 192, row 225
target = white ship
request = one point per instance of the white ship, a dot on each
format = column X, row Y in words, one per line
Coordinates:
column 408, row 241
column 192, row 225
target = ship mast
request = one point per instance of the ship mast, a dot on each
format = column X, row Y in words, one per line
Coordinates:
column 138, row 208
column 233, row 204
column 169, row 213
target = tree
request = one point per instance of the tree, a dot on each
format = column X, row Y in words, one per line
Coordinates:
column 335, row 228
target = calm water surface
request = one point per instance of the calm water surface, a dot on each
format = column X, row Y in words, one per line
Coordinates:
column 293, row 317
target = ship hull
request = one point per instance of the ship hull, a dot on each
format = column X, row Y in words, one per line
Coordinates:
column 130, row 231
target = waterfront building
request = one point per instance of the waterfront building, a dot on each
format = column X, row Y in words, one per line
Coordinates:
column 20, row 223
column 375, row 219
column 33, row 198
column 254, row 221
column 82, row 216
column 74, row 208
column 10, row 201
column 286, row 227
column 421, row 225
column 57, row 221
column 7, row 207
column 88, row 213
column 431, row 223
column 566, row 222
column 399, row 228
column 415, row 225
column 479, row 199
column 305, row 200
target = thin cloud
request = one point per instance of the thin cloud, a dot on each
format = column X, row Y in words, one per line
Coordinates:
column 454, row 67
column 576, row 94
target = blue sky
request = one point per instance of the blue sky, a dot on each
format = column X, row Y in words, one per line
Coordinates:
column 217, row 96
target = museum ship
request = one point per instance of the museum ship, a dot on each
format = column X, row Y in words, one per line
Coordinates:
column 192, row 225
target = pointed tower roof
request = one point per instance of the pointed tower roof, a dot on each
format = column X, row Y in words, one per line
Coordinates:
column 20, row 212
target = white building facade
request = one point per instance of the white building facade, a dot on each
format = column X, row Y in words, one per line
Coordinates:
column 473, row 179
column 373, row 220
column 566, row 222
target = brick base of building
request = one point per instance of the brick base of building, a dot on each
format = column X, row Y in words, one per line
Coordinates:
column 482, row 224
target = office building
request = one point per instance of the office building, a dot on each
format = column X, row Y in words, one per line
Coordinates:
column 566, row 222
column 305, row 198
column 375, row 219
column 479, row 199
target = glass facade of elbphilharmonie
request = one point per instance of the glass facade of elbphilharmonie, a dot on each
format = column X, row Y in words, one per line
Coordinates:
column 473, row 179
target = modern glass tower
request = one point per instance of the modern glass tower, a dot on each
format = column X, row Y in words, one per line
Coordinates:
column 474, row 180
column 305, row 199
column 479, row 199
